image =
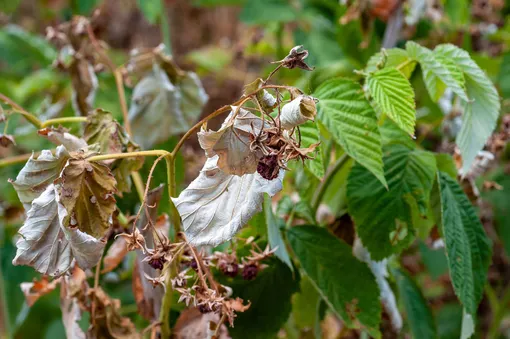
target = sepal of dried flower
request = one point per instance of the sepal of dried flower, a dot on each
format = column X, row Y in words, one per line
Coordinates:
column 7, row 140
column 300, row 110
column 135, row 240
column 295, row 58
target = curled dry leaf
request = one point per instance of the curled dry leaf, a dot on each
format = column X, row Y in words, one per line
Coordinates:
column 165, row 104
column 61, row 136
column 193, row 324
column 115, row 255
column 298, row 111
column 38, row 173
column 216, row 205
column 86, row 192
column 47, row 245
column 266, row 100
column 232, row 142
column 71, row 285
column 148, row 297
column 109, row 323
column 102, row 129
column 38, row 288
column 7, row 140
column 85, row 84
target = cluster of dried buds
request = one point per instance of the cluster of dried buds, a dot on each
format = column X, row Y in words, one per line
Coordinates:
column 79, row 56
column 247, row 143
column 498, row 140
column 195, row 282
column 249, row 267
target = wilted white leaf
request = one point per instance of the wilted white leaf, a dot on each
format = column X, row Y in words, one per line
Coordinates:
column 298, row 111
column 48, row 246
column 60, row 136
column 380, row 271
column 216, row 205
column 160, row 108
column 232, row 143
column 38, row 173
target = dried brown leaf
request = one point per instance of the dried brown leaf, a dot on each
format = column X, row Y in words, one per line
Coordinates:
column 86, row 193
column 232, row 143
column 115, row 255
column 192, row 324
column 38, row 288
column 61, row 136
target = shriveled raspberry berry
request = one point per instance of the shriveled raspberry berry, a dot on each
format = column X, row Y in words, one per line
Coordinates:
column 250, row 272
column 229, row 269
column 268, row 167
column 157, row 263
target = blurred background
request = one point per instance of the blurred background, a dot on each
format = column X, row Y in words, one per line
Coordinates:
column 229, row 43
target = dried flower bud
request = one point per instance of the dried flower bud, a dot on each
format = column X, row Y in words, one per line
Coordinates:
column 250, row 271
column 295, row 59
column 298, row 111
column 6, row 140
column 268, row 167
column 194, row 265
column 204, row 308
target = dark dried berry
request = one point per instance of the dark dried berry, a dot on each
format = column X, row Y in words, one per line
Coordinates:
column 268, row 167
column 157, row 263
column 193, row 264
column 229, row 269
column 250, row 272
column 204, row 308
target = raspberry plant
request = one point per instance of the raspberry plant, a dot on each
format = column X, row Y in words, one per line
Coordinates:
column 235, row 236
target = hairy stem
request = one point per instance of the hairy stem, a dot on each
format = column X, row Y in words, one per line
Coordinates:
column 138, row 182
column 18, row 109
column 110, row 156
column 16, row 159
column 321, row 190
column 56, row 121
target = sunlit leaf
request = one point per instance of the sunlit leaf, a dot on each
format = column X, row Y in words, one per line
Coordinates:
column 395, row 58
column 393, row 94
column 352, row 122
column 481, row 112
column 216, row 205
column 439, row 72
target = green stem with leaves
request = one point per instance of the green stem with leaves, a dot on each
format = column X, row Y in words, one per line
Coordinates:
column 325, row 183
column 499, row 309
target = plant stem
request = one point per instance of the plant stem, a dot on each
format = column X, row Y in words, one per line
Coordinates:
column 321, row 190
column 165, row 28
column 16, row 159
column 166, row 305
column 498, row 315
column 101, row 157
column 119, row 82
column 197, row 126
column 62, row 120
column 138, row 182
column 18, row 109
column 404, row 64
